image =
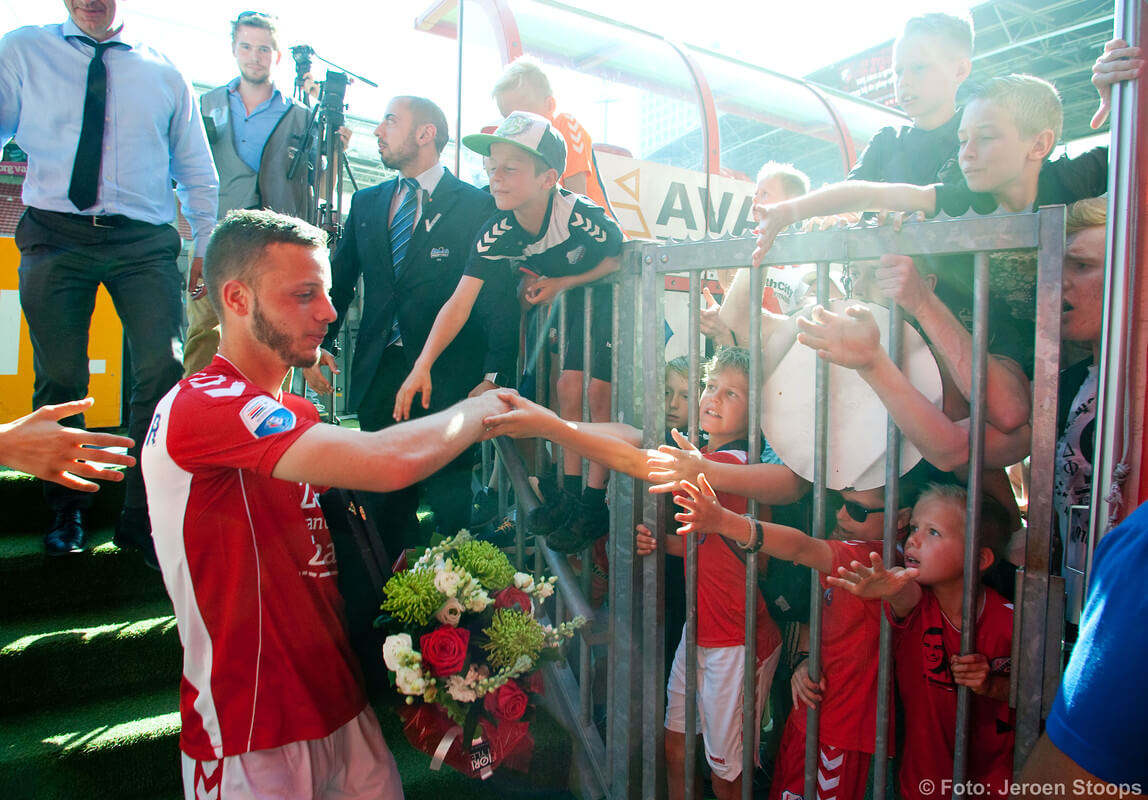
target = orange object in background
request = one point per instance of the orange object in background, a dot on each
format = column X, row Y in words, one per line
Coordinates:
column 105, row 350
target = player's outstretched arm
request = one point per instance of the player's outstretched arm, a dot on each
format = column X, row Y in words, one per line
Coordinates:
column 390, row 459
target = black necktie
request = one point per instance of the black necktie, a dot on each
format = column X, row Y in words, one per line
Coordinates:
column 86, row 169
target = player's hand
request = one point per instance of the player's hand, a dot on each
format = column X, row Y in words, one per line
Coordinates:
column 315, row 377
column 850, row 339
column 544, row 290
column 874, row 581
column 669, row 465
column 898, row 279
column 971, row 670
column 39, row 445
column 711, row 324
column 522, row 419
column 803, row 689
column 195, row 285
column 701, row 512
column 772, row 219
column 831, row 221
column 417, row 382
column 644, row 541
column 1118, row 62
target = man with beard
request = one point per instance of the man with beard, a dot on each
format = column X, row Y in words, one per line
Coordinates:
column 254, row 130
column 408, row 238
column 272, row 702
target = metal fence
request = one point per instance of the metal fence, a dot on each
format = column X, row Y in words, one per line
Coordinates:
column 621, row 752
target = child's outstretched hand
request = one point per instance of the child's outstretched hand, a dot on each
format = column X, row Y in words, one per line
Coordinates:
column 644, row 541
column 669, row 465
column 873, row 581
column 850, row 339
column 772, row 219
column 702, row 512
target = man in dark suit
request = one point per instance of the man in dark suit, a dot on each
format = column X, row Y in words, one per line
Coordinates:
column 409, row 239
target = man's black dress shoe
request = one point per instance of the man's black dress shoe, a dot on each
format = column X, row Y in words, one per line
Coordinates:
column 66, row 535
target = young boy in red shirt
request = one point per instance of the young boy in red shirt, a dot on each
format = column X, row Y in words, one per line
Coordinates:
column 724, row 416
column 924, row 605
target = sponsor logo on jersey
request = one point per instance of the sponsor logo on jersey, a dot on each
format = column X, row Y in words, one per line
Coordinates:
column 153, row 431
column 265, row 416
column 438, row 253
column 575, row 255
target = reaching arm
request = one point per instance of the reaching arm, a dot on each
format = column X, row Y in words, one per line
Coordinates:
column 835, row 199
column 451, row 317
column 39, row 445
column 605, row 443
column 771, row 484
column 736, row 306
column 390, row 459
column 704, row 514
column 897, row 585
column 1007, row 402
column 852, row 340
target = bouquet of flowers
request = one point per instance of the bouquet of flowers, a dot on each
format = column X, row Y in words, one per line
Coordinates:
column 469, row 650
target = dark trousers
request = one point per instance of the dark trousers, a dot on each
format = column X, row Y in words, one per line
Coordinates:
column 447, row 492
column 63, row 261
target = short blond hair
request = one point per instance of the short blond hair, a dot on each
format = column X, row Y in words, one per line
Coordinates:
column 793, row 181
column 1086, row 213
column 1033, row 102
column 525, row 72
column 955, row 31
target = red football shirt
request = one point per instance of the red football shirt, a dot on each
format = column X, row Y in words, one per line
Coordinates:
column 250, row 568
column 721, row 583
column 850, row 637
column 922, row 644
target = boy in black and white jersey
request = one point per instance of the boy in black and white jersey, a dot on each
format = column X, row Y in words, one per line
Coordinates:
column 558, row 240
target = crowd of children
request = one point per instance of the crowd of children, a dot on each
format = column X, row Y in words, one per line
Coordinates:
column 555, row 235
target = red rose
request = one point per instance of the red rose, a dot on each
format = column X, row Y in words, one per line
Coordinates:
column 507, row 703
column 444, row 649
column 512, row 596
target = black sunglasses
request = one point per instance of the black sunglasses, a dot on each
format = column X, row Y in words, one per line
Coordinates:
column 858, row 512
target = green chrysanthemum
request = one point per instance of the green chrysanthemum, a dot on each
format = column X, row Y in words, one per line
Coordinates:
column 412, row 596
column 487, row 564
column 513, row 635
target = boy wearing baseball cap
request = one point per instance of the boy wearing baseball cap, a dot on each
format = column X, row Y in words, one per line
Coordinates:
column 557, row 240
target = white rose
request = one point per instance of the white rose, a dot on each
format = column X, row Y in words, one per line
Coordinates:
column 545, row 590
column 450, row 613
column 410, row 681
column 394, row 648
column 478, row 601
column 523, row 581
column 446, row 582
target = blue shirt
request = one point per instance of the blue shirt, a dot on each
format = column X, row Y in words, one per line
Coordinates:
column 1098, row 718
column 250, row 132
column 153, row 133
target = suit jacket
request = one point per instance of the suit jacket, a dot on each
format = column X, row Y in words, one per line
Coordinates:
column 442, row 240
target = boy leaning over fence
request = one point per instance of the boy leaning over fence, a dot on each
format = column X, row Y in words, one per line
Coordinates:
column 559, row 241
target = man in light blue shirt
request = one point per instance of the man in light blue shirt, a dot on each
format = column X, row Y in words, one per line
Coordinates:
column 108, row 123
column 254, row 131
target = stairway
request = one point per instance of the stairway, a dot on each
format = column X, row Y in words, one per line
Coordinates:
column 89, row 659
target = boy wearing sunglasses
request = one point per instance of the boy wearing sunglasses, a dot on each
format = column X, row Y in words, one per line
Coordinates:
column 847, row 691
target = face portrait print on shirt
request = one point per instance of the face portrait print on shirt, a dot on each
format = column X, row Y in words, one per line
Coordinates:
column 936, row 660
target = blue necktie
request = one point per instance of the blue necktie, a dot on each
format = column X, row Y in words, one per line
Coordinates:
column 402, row 226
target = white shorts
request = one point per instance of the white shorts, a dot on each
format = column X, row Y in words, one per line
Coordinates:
column 720, row 680
column 353, row 762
